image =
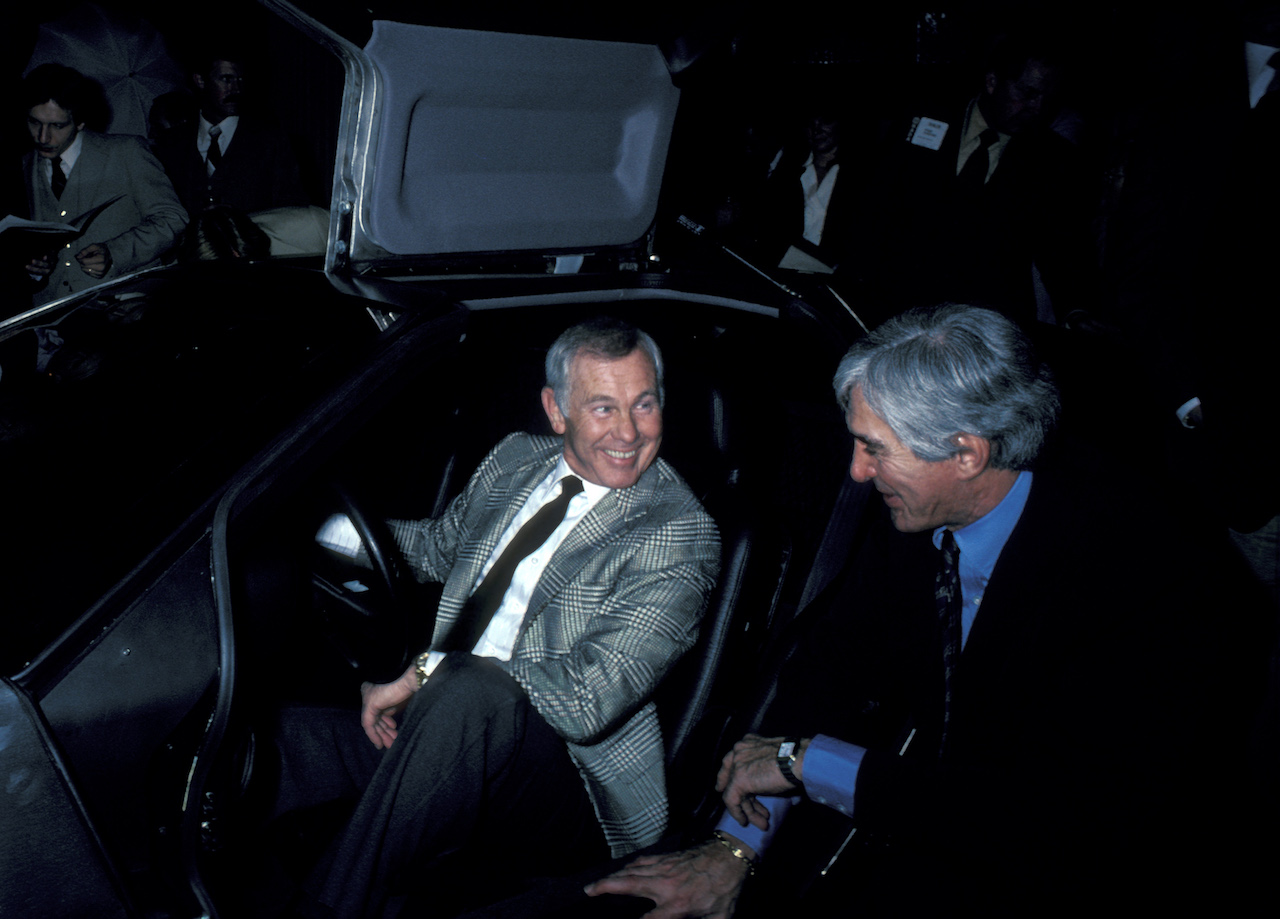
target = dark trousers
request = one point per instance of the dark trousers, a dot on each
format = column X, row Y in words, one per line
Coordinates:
column 476, row 795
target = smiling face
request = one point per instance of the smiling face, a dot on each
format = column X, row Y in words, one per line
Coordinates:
column 53, row 129
column 612, row 425
column 920, row 495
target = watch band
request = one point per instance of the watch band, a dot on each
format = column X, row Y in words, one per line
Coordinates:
column 788, row 751
column 420, row 668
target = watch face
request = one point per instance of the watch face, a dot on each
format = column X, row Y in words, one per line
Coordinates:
column 788, row 749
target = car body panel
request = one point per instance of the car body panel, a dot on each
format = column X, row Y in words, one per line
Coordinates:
column 50, row 861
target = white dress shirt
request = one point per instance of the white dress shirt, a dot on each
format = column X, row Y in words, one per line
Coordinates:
column 499, row 639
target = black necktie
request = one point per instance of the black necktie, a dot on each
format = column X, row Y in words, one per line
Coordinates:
column 478, row 612
column 946, row 590
column 973, row 175
column 58, row 177
column 214, row 157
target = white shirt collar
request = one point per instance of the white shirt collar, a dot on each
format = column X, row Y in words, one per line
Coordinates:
column 593, row 491
column 71, row 154
column 226, row 128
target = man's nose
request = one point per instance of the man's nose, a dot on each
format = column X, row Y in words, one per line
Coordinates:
column 625, row 429
column 861, row 469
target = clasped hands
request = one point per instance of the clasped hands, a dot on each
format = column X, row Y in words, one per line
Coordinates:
column 705, row 881
column 94, row 259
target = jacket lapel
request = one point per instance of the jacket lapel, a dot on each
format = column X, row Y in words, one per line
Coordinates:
column 82, row 184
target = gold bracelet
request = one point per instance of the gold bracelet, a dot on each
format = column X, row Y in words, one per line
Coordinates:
column 737, row 850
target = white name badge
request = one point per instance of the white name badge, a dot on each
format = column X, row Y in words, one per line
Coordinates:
column 927, row 132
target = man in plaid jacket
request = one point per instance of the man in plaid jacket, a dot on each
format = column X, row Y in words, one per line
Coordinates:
column 540, row 738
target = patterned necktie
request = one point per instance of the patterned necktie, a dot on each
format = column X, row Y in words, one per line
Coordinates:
column 213, row 159
column 946, row 590
column 974, row 173
column 58, row 177
column 478, row 612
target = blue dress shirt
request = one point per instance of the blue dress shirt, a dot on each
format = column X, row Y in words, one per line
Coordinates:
column 830, row 765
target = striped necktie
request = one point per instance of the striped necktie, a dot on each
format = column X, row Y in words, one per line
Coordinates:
column 213, row 159
column 946, row 590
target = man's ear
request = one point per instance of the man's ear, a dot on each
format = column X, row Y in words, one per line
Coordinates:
column 198, row 79
column 553, row 411
column 973, row 454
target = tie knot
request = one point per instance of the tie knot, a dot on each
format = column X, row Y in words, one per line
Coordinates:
column 570, row 485
column 215, row 131
column 950, row 548
column 988, row 137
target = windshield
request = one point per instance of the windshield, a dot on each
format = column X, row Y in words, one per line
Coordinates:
column 121, row 417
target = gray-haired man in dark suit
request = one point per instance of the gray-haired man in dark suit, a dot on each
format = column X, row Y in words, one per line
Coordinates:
column 1048, row 713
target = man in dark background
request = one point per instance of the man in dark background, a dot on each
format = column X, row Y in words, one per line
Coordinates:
column 234, row 154
column 979, row 200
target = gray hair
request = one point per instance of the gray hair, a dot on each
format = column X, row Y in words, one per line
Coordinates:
column 933, row 373
column 603, row 337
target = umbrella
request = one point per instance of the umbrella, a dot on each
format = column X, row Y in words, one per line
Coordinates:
column 125, row 53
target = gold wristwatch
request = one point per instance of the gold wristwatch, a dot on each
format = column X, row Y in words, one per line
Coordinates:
column 420, row 668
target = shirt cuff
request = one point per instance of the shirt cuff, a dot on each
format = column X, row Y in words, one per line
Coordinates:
column 339, row 534
column 752, row 835
column 1185, row 409
column 831, row 772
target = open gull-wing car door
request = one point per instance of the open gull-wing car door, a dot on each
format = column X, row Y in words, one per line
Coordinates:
column 458, row 141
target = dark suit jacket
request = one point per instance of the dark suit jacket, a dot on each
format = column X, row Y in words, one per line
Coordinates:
column 258, row 171
column 934, row 244
column 616, row 606
column 1099, row 700
column 773, row 213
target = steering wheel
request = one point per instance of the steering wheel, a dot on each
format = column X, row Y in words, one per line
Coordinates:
column 372, row 627
column 378, row 542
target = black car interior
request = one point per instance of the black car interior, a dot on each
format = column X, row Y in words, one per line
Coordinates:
column 761, row 442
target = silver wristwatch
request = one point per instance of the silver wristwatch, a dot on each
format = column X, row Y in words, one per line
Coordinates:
column 788, row 751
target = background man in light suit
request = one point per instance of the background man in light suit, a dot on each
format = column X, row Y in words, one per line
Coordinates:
column 542, row 741
column 131, row 233
column 1086, row 745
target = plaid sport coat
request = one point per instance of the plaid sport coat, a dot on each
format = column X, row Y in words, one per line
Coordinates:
column 616, row 606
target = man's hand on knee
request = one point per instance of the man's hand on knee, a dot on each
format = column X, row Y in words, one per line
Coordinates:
column 381, row 703
column 703, row 881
